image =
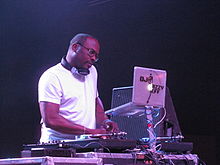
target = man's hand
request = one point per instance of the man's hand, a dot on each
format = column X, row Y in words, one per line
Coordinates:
column 102, row 120
column 110, row 126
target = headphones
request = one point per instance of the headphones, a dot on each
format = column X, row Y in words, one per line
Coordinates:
column 79, row 71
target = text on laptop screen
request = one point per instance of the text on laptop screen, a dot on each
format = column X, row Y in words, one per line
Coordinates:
column 149, row 87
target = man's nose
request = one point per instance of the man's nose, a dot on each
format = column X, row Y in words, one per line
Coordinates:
column 93, row 58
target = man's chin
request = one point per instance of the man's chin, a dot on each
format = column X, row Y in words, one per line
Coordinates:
column 87, row 66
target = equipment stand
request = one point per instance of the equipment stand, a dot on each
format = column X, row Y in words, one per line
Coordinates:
column 150, row 127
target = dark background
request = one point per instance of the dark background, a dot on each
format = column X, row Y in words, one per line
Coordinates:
column 177, row 36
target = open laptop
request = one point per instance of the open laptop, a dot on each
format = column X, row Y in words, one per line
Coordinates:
column 149, row 86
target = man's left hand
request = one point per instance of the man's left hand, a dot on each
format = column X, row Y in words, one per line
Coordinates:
column 110, row 126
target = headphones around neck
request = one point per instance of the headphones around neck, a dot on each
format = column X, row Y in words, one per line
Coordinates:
column 80, row 71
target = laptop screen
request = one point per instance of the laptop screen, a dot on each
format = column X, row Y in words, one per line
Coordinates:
column 149, row 87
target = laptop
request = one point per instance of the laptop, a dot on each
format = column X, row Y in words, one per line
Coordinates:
column 149, row 86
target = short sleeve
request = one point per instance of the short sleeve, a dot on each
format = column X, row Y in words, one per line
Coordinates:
column 49, row 88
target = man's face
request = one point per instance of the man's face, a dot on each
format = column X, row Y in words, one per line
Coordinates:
column 84, row 56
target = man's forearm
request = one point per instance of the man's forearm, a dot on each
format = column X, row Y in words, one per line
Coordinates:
column 100, row 114
column 63, row 125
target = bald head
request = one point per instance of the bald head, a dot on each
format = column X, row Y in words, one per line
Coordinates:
column 81, row 38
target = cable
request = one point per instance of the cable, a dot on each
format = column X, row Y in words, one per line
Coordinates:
column 171, row 161
column 152, row 157
column 159, row 145
column 200, row 162
column 186, row 159
column 165, row 113
column 80, row 146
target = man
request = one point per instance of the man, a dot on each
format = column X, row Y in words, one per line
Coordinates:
column 68, row 97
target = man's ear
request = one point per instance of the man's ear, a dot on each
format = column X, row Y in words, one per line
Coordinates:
column 74, row 47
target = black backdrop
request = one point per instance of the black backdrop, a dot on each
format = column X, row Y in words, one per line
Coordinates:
column 178, row 36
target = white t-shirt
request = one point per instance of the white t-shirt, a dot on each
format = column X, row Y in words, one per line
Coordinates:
column 75, row 94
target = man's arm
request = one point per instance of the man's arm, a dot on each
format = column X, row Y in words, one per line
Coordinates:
column 53, row 120
column 100, row 114
column 102, row 119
